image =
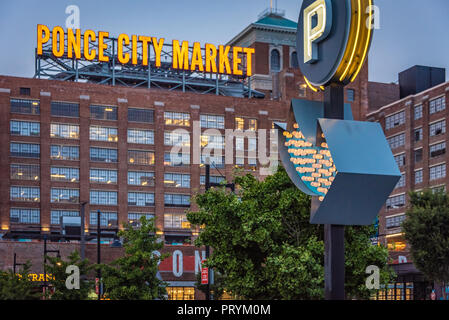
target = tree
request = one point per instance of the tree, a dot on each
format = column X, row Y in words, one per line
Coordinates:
column 57, row 267
column 134, row 276
column 17, row 286
column 426, row 230
column 265, row 247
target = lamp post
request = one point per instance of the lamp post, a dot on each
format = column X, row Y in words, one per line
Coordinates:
column 82, row 235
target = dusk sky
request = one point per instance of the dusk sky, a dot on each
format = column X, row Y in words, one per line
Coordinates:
column 412, row 32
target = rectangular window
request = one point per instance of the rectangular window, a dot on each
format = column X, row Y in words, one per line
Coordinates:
column 25, row 91
column 418, row 134
column 140, row 157
column 350, row 94
column 140, row 136
column 176, row 159
column 395, row 120
column 211, row 121
column 181, row 293
column 418, row 112
column 65, row 174
column 401, row 182
column 103, row 197
column 140, row 178
column 65, row 109
column 437, row 128
column 252, row 124
column 437, row 149
column 140, row 199
column 213, row 179
column 140, row 115
column 437, row 172
column 437, row 105
column 64, row 131
column 103, row 155
column 26, row 194
column 418, row 176
column 103, row 112
column 396, row 141
column 252, row 162
column 395, row 202
column 239, row 123
column 177, row 180
column 59, row 195
column 25, row 172
column 98, row 133
column 107, row 219
column 418, row 155
column 394, row 222
column 176, row 221
column 58, row 152
column 438, row 189
column 212, row 141
column 55, row 215
column 25, row 106
column 134, row 217
column 28, row 216
column 25, row 128
column 176, row 200
column 25, row 150
column 177, row 118
column 400, row 159
column 214, row 161
column 103, row 176
column 239, row 143
column 176, row 139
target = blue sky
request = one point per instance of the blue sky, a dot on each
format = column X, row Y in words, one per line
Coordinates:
column 411, row 31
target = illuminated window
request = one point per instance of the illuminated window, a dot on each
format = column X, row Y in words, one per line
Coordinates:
column 65, row 174
column 64, row 131
column 25, row 150
column 58, row 152
column 25, row 106
column 140, row 115
column 140, row 136
column 396, row 243
column 181, row 293
column 400, row 159
column 437, row 149
column 25, row 128
column 55, row 215
column 437, row 172
column 103, row 155
column 176, row 159
column 252, row 124
column 395, row 120
column 176, row 200
column 141, row 157
column 140, row 199
column 65, row 109
column 59, row 195
column 140, row 178
column 103, row 197
column 212, row 141
column 437, row 128
column 103, row 112
column 437, row 105
column 107, row 219
column 26, row 194
column 21, row 215
column 177, row 118
column 25, row 172
column 177, row 180
column 176, row 221
column 418, row 112
column 211, row 121
column 103, row 176
column 239, row 123
column 98, row 133
column 275, row 59
column 418, row 176
column 395, row 202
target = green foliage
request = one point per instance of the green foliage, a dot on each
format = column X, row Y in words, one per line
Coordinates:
column 57, row 268
column 426, row 230
column 217, row 288
column 265, row 247
column 18, row 286
column 133, row 276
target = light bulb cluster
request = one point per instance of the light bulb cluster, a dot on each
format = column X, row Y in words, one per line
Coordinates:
column 314, row 164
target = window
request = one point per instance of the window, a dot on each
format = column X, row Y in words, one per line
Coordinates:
column 239, row 161
column 211, row 121
column 25, row 128
column 176, row 159
column 58, row 152
column 395, row 120
column 177, row 118
column 252, row 162
column 141, row 157
column 177, row 180
column 350, row 95
column 239, row 143
column 418, row 176
column 103, row 176
column 395, row 202
column 400, row 159
column 252, row 124
column 140, row 178
column 275, row 60
column 437, row 172
column 25, row 172
column 140, row 115
column 30, row 216
column 176, row 200
column 176, row 138
column 140, row 199
column 25, row 91
column 65, row 195
column 65, row 174
column 437, row 149
column 181, row 293
column 418, row 112
column 394, row 222
column 64, row 131
column 418, row 134
column 438, row 189
column 103, row 197
column 107, row 219
column 27, row 194
column 103, row 155
column 135, row 216
column 418, row 155
column 103, row 112
column 212, row 141
column 294, row 60
column 239, row 123
column 25, row 106
column 176, row 221
column 437, row 105
column 25, row 150
column 401, row 182
column 65, row 109
column 215, row 161
column 97, row 133
column 213, row 179
column 55, row 215
column 437, row 128
column 140, row 136
column 252, row 144
column 397, row 141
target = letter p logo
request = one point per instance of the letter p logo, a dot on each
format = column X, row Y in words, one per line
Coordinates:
column 317, row 25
